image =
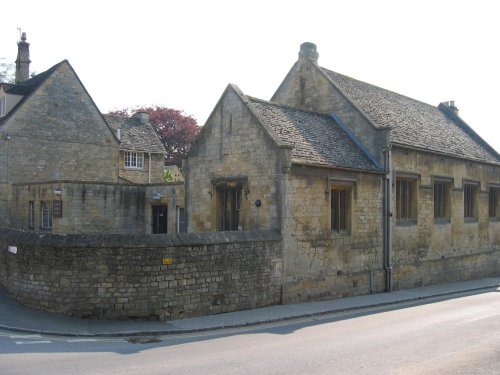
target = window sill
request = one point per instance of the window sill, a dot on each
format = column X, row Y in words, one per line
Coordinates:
column 494, row 219
column 470, row 220
column 442, row 221
column 342, row 233
column 134, row 168
column 406, row 222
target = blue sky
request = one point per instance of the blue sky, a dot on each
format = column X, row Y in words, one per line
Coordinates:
column 182, row 54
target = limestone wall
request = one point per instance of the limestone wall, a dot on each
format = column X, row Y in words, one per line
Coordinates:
column 58, row 134
column 94, row 207
column 320, row 263
column 428, row 251
column 233, row 145
column 144, row 175
column 149, row 277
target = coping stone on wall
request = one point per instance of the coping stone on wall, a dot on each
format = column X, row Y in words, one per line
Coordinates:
column 17, row 236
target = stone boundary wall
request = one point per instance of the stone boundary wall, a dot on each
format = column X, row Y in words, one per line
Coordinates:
column 446, row 269
column 148, row 277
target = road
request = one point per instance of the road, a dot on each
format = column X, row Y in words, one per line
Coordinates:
column 459, row 335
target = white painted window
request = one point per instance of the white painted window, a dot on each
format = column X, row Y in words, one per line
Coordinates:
column 181, row 221
column 134, row 160
column 46, row 214
column 3, row 104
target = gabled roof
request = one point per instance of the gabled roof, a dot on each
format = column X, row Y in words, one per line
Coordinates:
column 136, row 136
column 413, row 123
column 317, row 139
column 26, row 88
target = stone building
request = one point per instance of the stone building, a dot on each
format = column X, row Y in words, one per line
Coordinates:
column 65, row 168
column 370, row 189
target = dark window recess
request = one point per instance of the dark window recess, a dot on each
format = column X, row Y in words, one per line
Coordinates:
column 160, row 219
column 405, row 199
column 494, row 202
column 228, row 207
column 31, row 222
column 442, row 211
column 470, row 201
column 339, row 209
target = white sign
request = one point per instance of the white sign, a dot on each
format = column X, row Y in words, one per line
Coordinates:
column 12, row 249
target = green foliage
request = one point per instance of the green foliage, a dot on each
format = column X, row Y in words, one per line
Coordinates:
column 168, row 177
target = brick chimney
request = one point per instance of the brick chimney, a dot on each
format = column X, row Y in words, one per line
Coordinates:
column 23, row 60
column 308, row 51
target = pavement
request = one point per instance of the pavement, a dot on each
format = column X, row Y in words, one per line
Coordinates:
column 17, row 317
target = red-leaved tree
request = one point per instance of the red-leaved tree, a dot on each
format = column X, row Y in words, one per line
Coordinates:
column 176, row 130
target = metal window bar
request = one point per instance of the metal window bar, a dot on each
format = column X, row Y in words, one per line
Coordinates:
column 339, row 209
column 439, row 200
column 468, row 202
column 493, row 202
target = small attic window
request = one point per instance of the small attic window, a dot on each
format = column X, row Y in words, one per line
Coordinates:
column 3, row 104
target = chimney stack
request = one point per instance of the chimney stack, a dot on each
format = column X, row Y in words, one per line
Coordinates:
column 143, row 117
column 451, row 105
column 23, row 60
column 308, row 51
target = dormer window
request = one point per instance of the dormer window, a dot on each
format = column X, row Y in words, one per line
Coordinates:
column 134, row 160
column 3, row 105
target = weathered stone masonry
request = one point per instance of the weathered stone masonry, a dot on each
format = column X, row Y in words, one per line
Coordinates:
column 100, row 276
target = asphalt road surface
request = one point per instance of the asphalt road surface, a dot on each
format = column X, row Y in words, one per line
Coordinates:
column 459, row 335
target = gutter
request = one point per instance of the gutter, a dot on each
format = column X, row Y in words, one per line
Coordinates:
column 149, row 168
column 387, row 219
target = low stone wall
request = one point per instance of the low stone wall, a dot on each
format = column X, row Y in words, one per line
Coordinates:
column 148, row 277
column 447, row 269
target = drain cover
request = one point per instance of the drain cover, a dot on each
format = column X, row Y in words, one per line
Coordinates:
column 143, row 339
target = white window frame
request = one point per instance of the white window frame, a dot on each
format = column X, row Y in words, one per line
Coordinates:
column 46, row 214
column 134, row 160
column 181, row 219
column 3, row 106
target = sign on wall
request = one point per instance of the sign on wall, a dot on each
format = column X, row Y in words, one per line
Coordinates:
column 57, row 209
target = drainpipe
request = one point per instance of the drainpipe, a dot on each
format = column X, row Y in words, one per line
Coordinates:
column 149, row 168
column 388, row 219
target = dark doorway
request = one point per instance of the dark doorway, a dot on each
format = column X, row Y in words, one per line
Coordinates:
column 159, row 219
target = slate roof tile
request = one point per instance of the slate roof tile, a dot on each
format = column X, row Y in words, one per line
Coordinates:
column 413, row 123
column 136, row 136
column 316, row 138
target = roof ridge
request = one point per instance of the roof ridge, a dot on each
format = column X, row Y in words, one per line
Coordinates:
column 34, row 83
column 466, row 127
column 378, row 87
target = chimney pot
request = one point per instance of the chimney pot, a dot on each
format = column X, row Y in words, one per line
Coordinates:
column 142, row 116
column 308, row 51
column 23, row 60
column 451, row 105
